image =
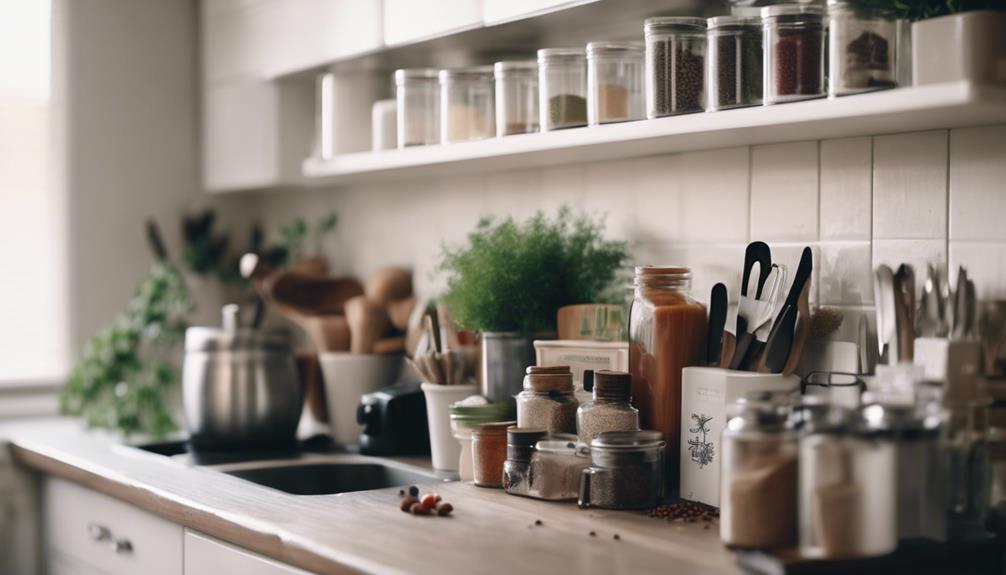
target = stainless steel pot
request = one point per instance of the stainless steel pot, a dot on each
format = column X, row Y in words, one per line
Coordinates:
column 240, row 389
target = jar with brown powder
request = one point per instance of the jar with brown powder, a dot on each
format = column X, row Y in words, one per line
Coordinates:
column 489, row 453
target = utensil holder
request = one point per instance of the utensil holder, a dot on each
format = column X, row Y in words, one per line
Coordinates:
column 706, row 396
column 444, row 448
column 348, row 377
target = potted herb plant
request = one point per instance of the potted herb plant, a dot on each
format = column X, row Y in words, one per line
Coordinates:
column 509, row 279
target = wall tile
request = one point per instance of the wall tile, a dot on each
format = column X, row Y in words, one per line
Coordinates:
column 784, row 192
column 917, row 253
column 789, row 256
column 710, row 264
column 978, row 183
column 846, row 189
column 846, row 273
column 986, row 265
column 910, row 186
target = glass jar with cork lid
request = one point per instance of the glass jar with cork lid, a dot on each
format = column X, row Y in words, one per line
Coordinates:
column 614, row 82
column 562, row 88
column 547, row 401
column 610, row 409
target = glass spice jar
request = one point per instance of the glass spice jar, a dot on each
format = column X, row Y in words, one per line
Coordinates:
column 735, row 62
column 516, row 97
column 562, row 88
column 675, row 65
column 614, row 82
column 557, row 465
column 520, row 445
column 862, row 48
column 610, row 408
column 418, row 99
column 467, row 110
column 758, row 474
column 794, row 52
column 969, row 471
column 489, row 452
column 626, row 471
column 465, row 417
column 547, row 400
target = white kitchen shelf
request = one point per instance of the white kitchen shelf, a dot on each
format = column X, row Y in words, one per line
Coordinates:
column 902, row 110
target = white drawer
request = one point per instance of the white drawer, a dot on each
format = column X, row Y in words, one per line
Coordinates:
column 207, row 556
column 88, row 526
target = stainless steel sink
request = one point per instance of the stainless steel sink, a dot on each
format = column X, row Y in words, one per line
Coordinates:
column 327, row 478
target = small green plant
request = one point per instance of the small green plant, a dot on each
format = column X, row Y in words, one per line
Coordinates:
column 914, row 10
column 514, row 277
column 297, row 231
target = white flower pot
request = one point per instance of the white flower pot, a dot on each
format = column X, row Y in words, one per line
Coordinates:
column 970, row 46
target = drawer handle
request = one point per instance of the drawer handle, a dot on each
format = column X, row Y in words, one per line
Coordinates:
column 99, row 532
column 123, row 546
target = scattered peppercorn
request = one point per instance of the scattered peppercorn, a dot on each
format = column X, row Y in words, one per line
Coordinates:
column 428, row 501
column 418, row 509
column 407, row 503
column 538, row 522
column 401, row 493
column 413, row 491
column 593, row 533
column 686, row 512
column 617, row 537
column 444, row 508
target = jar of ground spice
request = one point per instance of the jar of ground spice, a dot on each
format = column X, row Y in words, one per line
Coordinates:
column 418, row 102
column 675, row 65
column 735, row 62
column 862, row 48
column 467, row 110
column 489, row 452
column 614, row 82
column 794, row 52
column 468, row 414
column 562, row 88
column 520, row 446
column 626, row 471
column 547, row 401
column 557, row 465
column 516, row 97
column 610, row 408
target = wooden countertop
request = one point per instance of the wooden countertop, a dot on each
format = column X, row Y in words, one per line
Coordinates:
column 489, row 532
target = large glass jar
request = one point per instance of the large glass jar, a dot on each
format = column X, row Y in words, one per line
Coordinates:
column 516, row 97
column 557, row 466
column 626, row 471
column 489, row 452
column 562, row 88
column 610, row 409
column 614, row 82
column 862, row 48
column 969, row 472
column 675, row 65
column 794, row 52
column 547, row 401
column 418, row 97
column 735, row 62
column 467, row 111
column 667, row 332
column 758, row 475
column 465, row 417
column 520, row 445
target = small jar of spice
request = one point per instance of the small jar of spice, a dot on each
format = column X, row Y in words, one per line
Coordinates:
column 626, row 471
column 557, row 465
column 516, row 97
column 418, row 101
column 675, row 65
column 610, row 408
column 466, row 415
column 547, row 401
column 520, row 445
column 794, row 52
column 614, row 82
column 562, row 88
column 467, row 109
column 862, row 44
column 489, row 452
column 735, row 62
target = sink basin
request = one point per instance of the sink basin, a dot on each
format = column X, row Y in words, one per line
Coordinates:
column 329, row 478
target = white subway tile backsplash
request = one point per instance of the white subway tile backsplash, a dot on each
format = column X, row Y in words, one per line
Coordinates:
column 986, row 265
column 847, row 189
column 846, row 273
column 917, row 253
column 978, row 184
column 710, row 264
column 784, row 192
column 910, row 186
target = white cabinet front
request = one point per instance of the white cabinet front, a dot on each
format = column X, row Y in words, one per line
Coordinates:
column 207, row 556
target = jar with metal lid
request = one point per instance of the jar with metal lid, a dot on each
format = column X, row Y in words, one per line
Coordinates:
column 675, row 65
column 489, row 452
column 520, row 445
column 614, row 82
column 557, row 465
column 464, row 419
column 862, row 48
column 735, row 62
column 562, row 88
column 418, row 98
column 794, row 52
column 547, row 400
column 610, row 409
column 516, row 97
column 467, row 109
column 626, row 471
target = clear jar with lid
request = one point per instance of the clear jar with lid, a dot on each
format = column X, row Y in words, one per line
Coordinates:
column 516, row 97
column 467, row 109
column 614, row 82
column 520, row 446
column 758, row 474
column 547, row 401
column 562, row 88
column 626, row 471
column 489, row 451
column 735, row 62
column 610, row 409
column 418, row 98
column 794, row 52
column 969, row 470
column 675, row 65
column 557, row 465
column 465, row 417
column 862, row 48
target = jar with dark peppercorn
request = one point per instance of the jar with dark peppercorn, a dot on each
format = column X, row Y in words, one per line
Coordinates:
column 520, row 445
column 675, row 65
column 626, row 471
column 562, row 88
column 862, row 48
column 614, row 82
column 489, row 452
column 735, row 62
column 794, row 52
column 547, row 400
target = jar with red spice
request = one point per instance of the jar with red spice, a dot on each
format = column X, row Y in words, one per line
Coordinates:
column 794, row 52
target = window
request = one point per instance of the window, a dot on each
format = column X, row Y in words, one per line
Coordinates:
column 34, row 330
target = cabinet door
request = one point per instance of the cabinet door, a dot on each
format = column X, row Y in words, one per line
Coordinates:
column 207, row 556
column 497, row 11
column 308, row 33
column 239, row 135
column 410, row 20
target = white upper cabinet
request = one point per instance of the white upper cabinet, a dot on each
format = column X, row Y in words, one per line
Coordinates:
column 497, row 11
column 411, row 20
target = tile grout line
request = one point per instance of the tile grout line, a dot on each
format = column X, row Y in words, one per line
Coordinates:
column 947, row 196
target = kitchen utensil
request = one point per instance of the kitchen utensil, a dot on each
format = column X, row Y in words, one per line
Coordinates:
column 433, row 327
column 960, row 305
column 394, row 421
column 745, row 315
column 866, row 364
column 884, row 303
column 717, row 319
column 992, row 332
column 904, row 316
column 802, row 331
column 782, row 336
column 769, row 305
column 930, row 319
column 971, row 311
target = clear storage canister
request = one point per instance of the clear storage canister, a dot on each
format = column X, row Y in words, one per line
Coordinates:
column 862, row 48
column 614, row 82
column 516, row 97
column 418, row 117
column 735, row 62
column 467, row 111
column 626, row 471
column 557, row 465
column 520, row 445
column 562, row 88
column 758, row 475
column 547, row 401
column 675, row 65
column 610, row 409
column 794, row 52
